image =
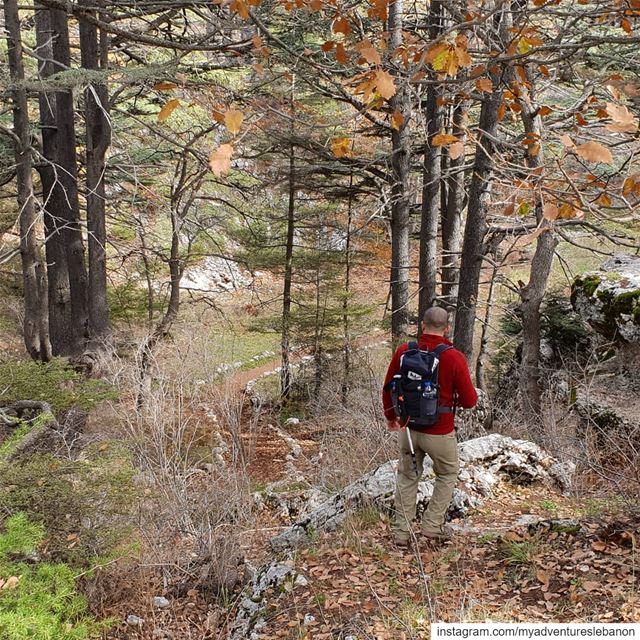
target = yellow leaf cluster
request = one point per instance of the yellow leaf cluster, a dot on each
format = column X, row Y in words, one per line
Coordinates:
column 448, row 58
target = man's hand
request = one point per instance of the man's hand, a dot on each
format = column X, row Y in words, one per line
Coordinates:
column 394, row 425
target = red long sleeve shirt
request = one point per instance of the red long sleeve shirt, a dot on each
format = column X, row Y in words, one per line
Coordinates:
column 453, row 377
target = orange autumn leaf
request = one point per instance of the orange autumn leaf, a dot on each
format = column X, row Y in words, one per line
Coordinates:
column 165, row 86
column 397, row 120
column 220, row 160
column 328, row 45
column 341, row 26
column 485, row 85
column 240, row 7
column 341, row 147
column 594, row 152
column 341, row 54
column 168, row 109
column 441, row 139
column 233, row 120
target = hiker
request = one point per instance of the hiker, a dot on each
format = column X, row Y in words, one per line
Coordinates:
column 436, row 436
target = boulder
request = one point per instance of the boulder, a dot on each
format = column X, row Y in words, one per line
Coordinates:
column 483, row 461
column 609, row 299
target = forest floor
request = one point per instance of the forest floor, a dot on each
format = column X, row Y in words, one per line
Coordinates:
column 498, row 567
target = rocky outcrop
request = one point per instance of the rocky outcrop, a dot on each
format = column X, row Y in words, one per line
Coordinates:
column 484, row 461
column 609, row 299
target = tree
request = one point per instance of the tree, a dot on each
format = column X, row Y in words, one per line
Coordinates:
column 36, row 327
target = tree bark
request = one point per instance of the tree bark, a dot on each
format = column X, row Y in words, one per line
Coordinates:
column 532, row 293
column 452, row 215
column 35, row 326
column 61, row 190
column 476, row 225
column 285, row 372
column 431, row 178
column 94, row 48
column 400, row 205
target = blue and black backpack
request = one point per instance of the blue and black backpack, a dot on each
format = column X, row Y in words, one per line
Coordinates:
column 415, row 391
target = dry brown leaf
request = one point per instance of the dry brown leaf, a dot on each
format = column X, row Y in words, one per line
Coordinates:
column 168, row 109
column 385, row 84
column 485, row 85
column 594, row 152
column 567, row 141
column 233, row 120
column 456, row 150
column 11, row 583
column 550, row 211
column 623, row 120
column 220, row 160
column 368, row 52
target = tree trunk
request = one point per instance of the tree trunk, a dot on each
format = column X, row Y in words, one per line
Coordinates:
column 62, row 187
column 400, row 205
column 532, row 294
column 431, row 177
column 476, row 226
column 285, row 372
column 35, row 327
column 94, row 48
column 452, row 215
column 346, row 374
column 59, row 295
column 484, row 338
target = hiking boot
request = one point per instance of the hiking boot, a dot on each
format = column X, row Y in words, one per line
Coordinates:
column 443, row 534
column 401, row 539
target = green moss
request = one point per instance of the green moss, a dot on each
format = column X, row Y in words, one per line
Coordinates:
column 627, row 303
column 590, row 284
column 54, row 382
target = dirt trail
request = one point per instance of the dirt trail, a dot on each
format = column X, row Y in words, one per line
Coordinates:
column 242, row 378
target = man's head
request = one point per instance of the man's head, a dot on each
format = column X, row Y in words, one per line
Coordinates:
column 436, row 321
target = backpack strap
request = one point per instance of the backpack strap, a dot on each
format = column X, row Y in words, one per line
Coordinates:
column 441, row 348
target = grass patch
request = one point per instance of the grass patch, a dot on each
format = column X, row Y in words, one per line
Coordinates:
column 43, row 601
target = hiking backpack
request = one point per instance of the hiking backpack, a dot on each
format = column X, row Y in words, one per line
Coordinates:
column 415, row 391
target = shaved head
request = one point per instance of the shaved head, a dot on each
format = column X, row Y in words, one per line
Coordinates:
column 436, row 318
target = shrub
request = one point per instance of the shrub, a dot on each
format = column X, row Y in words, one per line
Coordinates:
column 43, row 602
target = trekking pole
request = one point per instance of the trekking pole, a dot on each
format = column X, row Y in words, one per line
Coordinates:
column 413, row 452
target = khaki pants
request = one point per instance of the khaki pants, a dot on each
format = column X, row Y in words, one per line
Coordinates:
column 443, row 451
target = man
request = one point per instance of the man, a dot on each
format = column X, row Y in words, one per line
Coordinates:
column 438, row 441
